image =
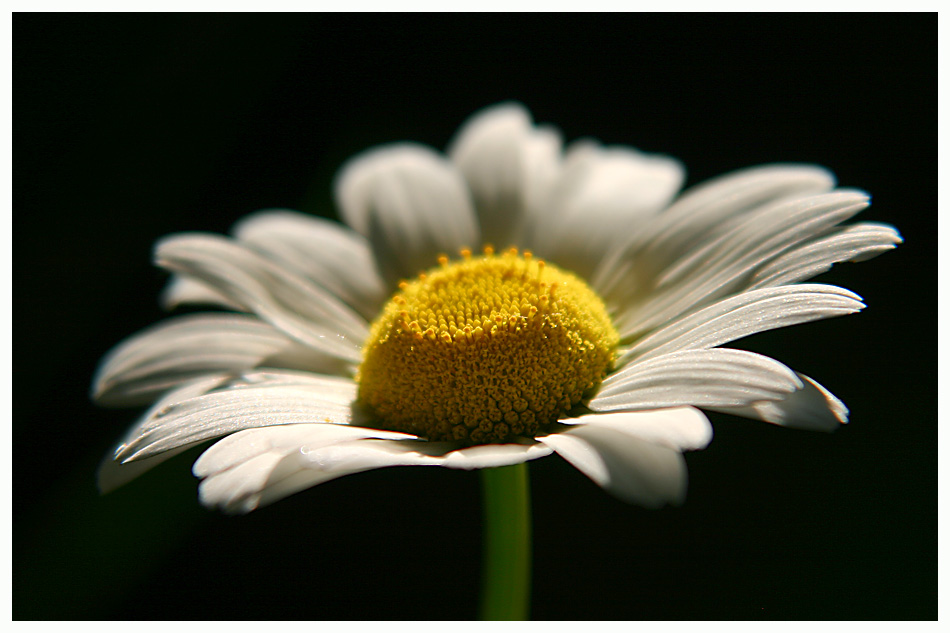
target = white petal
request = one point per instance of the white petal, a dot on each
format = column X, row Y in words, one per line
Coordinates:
column 297, row 307
column 183, row 348
column 483, row 456
column 508, row 164
column 113, row 473
column 604, row 195
column 696, row 215
column 725, row 264
column 324, row 252
column 261, row 399
column 183, row 290
column 630, row 468
column 812, row 408
column 744, row 314
column 855, row 243
column 256, row 467
column 682, row 428
column 242, row 446
column 701, row 378
column 412, row 205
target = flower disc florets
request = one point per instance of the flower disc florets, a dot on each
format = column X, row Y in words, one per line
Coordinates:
column 486, row 349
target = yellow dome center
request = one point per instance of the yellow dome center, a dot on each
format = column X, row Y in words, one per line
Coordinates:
column 486, row 349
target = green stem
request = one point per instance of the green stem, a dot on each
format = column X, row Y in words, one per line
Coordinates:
column 506, row 586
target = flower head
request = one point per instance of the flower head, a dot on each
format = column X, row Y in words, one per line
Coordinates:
column 486, row 308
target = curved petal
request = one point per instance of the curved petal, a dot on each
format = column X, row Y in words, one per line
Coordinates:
column 183, row 348
column 694, row 217
column 811, row 408
column 701, row 378
column 279, row 296
column 855, row 243
column 682, row 428
column 449, row 455
column 509, row 165
column 324, row 252
column 744, row 314
column 726, row 263
column 630, row 468
column 604, row 196
column 411, row 203
column 183, row 290
column 113, row 473
column 259, row 466
column 255, row 400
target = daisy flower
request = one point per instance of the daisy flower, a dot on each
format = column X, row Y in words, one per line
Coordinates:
column 508, row 300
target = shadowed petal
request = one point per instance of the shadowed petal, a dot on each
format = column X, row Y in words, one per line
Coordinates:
column 183, row 348
column 296, row 306
column 812, row 408
column 630, row 468
column 603, row 196
column 259, row 466
column 258, row 399
column 411, row 203
column 725, row 264
column 183, row 290
column 324, row 252
column 628, row 270
column 509, row 165
column 112, row 473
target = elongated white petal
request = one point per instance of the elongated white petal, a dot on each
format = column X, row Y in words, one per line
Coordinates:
column 235, row 449
column 744, row 314
column 855, row 243
column 701, row 378
column 256, row 467
column 279, row 296
column 262, row 399
column 726, row 263
column 322, row 251
column 604, row 195
column 411, row 203
column 769, row 228
column 112, row 473
column 812, row 408
column 682, row 428
column 183, row 290
column 279, row 461
column 183, row 348
column 508, row 164
column 630, row 468
column 696, row 215
column 449, row 455
column 704, row 207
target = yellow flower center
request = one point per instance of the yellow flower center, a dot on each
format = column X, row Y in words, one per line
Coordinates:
column 485, row 349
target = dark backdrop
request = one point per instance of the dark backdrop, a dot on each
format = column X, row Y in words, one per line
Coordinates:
column 129, row 127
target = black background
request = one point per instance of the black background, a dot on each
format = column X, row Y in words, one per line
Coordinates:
column 130, row 127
